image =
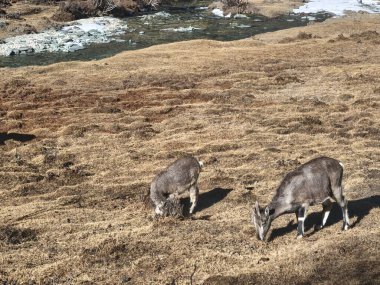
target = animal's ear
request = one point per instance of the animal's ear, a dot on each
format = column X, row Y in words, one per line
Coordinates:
column 267, row 211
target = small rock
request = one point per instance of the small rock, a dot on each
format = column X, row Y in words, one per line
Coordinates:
column 93, row 32
column 240, row 16
column 80, row 33
column 262, row 259
column 126, row 279
column 26, row 50
column 74, row 47
column 14, row 52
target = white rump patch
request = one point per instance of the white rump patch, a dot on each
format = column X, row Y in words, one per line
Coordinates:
column 200, row 163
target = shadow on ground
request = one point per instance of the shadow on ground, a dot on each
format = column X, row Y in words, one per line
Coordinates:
column 356, row 208
column 207, row 199
column 17, row 137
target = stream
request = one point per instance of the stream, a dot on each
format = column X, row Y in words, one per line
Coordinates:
column 170, row 24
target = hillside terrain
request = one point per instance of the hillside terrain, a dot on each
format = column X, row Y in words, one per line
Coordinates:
column 80, row 143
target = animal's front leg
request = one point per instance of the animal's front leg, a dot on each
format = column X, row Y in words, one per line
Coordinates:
column 327, row 205
column 159, row 209
column 301, row 221
column 194, row 194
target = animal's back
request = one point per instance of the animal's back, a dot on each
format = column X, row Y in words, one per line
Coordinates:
column 183, row 169
column 180, row 174
column 312, row 181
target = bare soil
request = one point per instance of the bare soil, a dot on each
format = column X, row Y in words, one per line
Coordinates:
column 81, row 141
column 26, row 18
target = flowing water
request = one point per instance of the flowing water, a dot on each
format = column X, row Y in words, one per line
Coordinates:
column 172, row 24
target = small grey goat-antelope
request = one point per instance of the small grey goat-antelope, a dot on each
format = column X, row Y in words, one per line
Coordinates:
column 312, row 183
column 179, row 177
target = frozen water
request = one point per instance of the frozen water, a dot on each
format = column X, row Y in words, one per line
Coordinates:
column 339, row 7
column 75, row 36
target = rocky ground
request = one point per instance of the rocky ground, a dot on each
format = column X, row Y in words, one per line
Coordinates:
column 34, row 16
column 81, row 141
column 25, row 18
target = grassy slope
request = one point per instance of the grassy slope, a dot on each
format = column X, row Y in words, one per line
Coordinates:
column 254, row 109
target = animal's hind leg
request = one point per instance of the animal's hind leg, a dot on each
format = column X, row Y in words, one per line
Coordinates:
column 194, row 194
column 327, row 205
column 346, row 218
column 342, row 201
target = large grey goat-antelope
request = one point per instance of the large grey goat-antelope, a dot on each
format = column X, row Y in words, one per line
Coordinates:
column 312, row 183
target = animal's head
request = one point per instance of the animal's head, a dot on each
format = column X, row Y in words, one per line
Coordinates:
column 261, row 219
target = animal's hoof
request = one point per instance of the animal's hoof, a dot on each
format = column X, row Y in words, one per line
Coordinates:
column 299, row 236
column 345, row 227
column 318, row 227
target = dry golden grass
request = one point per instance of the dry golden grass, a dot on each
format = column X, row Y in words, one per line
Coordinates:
column 71, row 198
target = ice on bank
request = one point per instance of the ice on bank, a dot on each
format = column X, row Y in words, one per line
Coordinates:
column 150, row 17
column 181, row 29
column 75, row 36
column 219, row 13
column 339, row 7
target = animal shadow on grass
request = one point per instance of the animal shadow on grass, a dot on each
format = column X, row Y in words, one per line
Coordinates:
column 206, row 200
column 356, row 208
column 14, row 136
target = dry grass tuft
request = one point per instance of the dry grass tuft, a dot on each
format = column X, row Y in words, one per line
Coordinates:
column 13, row 235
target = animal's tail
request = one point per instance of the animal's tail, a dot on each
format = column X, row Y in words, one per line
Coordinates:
column 200, row 163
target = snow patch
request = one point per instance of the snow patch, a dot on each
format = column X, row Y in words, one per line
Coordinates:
column 75, row 36
column 339, row 7
column 219, row 13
